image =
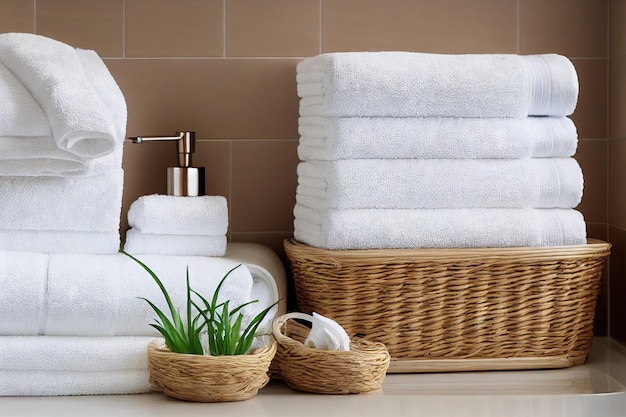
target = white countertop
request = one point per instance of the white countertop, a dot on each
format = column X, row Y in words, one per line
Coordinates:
column 595, row 389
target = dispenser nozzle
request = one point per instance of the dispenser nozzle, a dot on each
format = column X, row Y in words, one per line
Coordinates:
column 185, row 142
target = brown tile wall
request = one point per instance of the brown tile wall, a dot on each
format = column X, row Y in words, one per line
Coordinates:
column 226, row 69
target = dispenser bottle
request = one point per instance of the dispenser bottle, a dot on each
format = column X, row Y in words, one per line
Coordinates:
column 182, row 180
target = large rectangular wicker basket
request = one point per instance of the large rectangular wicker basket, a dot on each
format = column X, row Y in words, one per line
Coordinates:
column 441, row 310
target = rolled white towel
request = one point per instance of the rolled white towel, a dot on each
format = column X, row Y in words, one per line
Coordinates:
column 60, row 241
column 440, row 183
column 81, row 123
column 23, row 279
column 440, row 228
column 332, row 138
column 78, row 203
column 62, row 383
column 188, row 245
column 173, row 215
column 409, row 84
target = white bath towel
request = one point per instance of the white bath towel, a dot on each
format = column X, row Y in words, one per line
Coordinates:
column 439, row 228
column 60, row 241
column 62, row 383
column 332, row 138
column 23, row 280
column 173, row 215
column 53, row 73
column 73, row 353
column 77, row 203
column 409, row 84
column 440, row 183
column 97, row 295
column 189, row 245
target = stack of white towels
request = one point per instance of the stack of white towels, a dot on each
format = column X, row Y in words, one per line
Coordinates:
column 71, row 321
column 415, row 150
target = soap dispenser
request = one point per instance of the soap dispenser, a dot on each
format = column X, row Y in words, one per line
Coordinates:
column 182, row 180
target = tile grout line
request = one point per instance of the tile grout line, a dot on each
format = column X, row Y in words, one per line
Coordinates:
column 35, row 17
column 223, row 28
column 320, row 46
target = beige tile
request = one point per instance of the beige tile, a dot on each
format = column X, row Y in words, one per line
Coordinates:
column 17, row 16
column 573, row 28
column 263, row 186
column 617, row 97
column 445, row 26
column 88, row 24
column 590, row 115
column 617, row 27
column 166, row 28
column 214, row 156
column 617, row 312
column 593, row 158
column 617, row 182
column 272, row 28
column 218, row 98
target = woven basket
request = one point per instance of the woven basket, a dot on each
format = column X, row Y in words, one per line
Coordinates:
column 361, row 369
column 205, row 378
column 458, row 309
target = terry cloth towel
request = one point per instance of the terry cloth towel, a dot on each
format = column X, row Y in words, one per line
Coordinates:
column 440, row 183
column 60, row 241
column 80, row 119
column 440, row 228
column 173, row 215
column 61, row 383
column 97, row 295
column 78, row 203
column 190, row 245
column 23, row 278
column 332, row 138
column 413, row 84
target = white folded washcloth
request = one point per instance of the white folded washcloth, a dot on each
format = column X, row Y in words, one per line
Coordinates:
column 440, row 183
column 409, row 84
column 60, row 241
column 54, row 75
column 77, row 203
column 332, row 138
column 61, row 383
column 190, row 245
column 23, row 279
column 73, row 353
column 97, row 295
column 173, row 215
column 438, row 228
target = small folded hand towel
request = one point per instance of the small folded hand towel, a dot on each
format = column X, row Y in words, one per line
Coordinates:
column 173, row 215
column 80, row 119
column 190, row 245
column 332, row 138
column 440, row 228
column 440, row 183
column 413, row 84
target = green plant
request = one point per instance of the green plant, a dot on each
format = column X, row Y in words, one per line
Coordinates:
column 223, row 328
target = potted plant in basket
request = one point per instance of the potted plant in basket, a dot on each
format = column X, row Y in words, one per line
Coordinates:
column 225, row 368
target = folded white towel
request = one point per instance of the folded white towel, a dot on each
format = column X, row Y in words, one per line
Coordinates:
column 97, row 295
column 332, row 138
column 77, row 203
column 61, row 383
column 53, row 73
column 410, row 84
column 440, row 183
column 23, row 279
column 173, row 215
column 60, row 241
column 189, row 245
column 73, row 353
column 440, row 228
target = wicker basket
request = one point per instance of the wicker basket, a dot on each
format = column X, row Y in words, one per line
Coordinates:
column 205, row 378
column 361, row 369
column 458, row 309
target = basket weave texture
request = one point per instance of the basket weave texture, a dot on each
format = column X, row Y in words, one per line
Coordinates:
column 361, row 369
column 205, row 378
column 457, row 303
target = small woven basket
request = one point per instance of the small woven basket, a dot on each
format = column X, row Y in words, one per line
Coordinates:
column 361, row 369
column 458, row 309
column 205, row 378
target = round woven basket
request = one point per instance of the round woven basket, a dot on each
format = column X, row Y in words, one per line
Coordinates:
column 361, row 369
column 205, row 378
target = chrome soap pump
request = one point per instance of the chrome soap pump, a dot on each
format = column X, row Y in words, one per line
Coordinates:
column 182, row 180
